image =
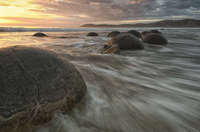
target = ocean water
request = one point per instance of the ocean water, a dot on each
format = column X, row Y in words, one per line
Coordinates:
column 154, row 90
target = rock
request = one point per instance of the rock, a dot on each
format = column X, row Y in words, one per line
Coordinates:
column 151, row 31
column 67, row 37
column 106, row 46
column 108, row 49
column 145, row 33
column 124, row 41
column 92, row 34
column 135, row 33
column 34, row 83
column 155, row 38
column 155, row 31
column 40, row 35
column 127, row 41
column 113, row 33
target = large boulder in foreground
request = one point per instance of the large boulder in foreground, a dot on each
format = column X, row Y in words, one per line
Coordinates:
column 155, row 38
column 34, row 83
column 135, row 33
column 39, row 35
column 124, row 41
column 92, row 34
column 113, row 34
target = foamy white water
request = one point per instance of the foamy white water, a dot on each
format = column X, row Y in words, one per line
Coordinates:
column 155, row 90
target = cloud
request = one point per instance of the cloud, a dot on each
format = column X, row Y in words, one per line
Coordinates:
column 36, row 22
column 185, row 8
column 99, row 9
column 107, row 10
column 93, row 11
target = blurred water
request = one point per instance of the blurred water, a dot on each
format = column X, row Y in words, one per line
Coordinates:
column 154, row 90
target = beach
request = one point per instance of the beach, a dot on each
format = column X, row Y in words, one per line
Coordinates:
column 153, row 90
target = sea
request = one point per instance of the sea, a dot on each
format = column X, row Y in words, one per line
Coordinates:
column 152, row 90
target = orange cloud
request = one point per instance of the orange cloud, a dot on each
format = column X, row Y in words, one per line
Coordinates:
column 24, row 12
column 65, row 13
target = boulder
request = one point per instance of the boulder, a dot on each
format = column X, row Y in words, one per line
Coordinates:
column 135, row 33
column 145, row 33
column 149, row 32
column 34, row 83
column 127, row 41
column 113, row 33
column 109, row 49
column 39, row 35
column 155, row 31
column 124, row 41
column 155, row 38
column 92, row 34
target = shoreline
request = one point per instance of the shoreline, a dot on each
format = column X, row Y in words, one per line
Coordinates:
column 87, row 29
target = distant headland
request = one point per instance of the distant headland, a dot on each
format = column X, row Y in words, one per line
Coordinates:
column 164, row 23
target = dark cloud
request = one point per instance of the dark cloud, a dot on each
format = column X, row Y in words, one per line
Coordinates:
column 113, row 10
column 187, row 8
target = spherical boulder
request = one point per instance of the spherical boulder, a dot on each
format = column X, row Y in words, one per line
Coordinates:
column 155, row 31
column 155, row 38
column 135, row 33
column 145, row 33
column 34, row 83
column 109, row 49
column 113, row 34
column 127, row 41
column 92, row 34
column 124, row 41
column 39, row 35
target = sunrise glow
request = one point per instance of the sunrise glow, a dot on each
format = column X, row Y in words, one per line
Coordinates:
column 73, row 13
column 24, row 13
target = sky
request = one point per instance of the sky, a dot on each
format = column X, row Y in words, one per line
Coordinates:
column 73, row 13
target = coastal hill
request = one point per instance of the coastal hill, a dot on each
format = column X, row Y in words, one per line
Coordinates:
column 164, row 23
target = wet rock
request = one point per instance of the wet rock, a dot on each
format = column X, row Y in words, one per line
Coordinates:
column 92, row 34
column 155, row 38
column 108, row 49
column 34, row 83
column 149, row 32
column 40, row 35
column 135, row 33
column 106, row 46
column 127, row 41
column 145, row 33
column 155, row 31
column 123, row 41
column 113, row 34
column 67, row 37
column 62, row 37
